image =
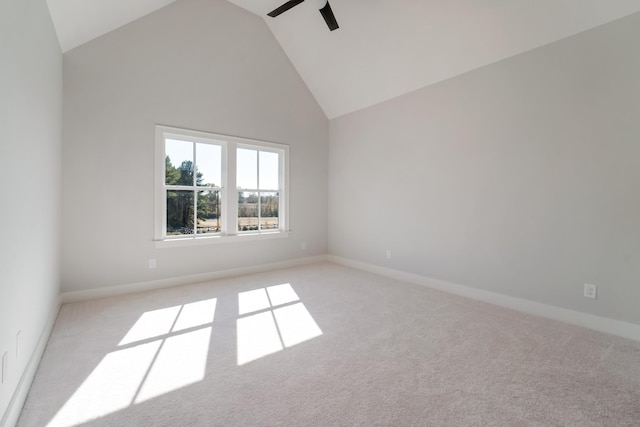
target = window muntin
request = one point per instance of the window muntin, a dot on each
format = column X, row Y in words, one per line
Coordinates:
column 237, row 186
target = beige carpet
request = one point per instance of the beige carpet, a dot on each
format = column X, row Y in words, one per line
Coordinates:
column 325, row 345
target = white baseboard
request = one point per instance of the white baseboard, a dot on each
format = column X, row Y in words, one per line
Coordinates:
column 12, row 413
column 598, row 323
column 89, row 294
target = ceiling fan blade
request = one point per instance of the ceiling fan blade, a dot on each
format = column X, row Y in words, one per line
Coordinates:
column 288, row 5
column 329, row 17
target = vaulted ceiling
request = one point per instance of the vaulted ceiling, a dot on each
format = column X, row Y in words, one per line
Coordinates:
column 383, row 48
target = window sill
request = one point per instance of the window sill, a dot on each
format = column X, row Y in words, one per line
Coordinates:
column 213, row 240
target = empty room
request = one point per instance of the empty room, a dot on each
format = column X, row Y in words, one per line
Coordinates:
column 312, row 212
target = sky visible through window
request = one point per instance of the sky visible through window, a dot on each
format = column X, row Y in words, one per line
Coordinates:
column 209, row 164
column 208, row 159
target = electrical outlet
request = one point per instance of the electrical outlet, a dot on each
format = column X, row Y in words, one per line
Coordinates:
column 152, row 263
column 590, row 291
column 304, row 246
column 5, row 368
column 388, row 253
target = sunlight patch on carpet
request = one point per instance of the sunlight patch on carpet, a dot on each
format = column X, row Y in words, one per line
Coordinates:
column 252, row 301
column 282, row 321
column 282, row 294
column 167, row 349
column 140, row 369
column 151, row 324
column 181, row 361
column 257, row 337
column 111, row 386
column 295, row 324
column 196, row 314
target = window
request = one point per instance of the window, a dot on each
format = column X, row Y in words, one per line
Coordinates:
column 193, row 180
column 258, row 184
column 209, row 187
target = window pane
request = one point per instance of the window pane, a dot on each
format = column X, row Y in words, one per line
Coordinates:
column 179, row 162
column 247, row 211
column 269, row 204
column 247, row 173
column 268, row 171
column 208, row 212
column 179, row 212
column 208, row 165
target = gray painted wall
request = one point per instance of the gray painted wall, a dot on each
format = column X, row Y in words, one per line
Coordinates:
column 197, row 64
column 31, row 126
column 521, row 177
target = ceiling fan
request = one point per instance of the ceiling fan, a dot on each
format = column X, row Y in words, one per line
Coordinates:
column 326, row 12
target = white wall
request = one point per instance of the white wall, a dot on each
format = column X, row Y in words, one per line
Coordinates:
column 198, row 64
column 30, row 135
column 521, row 177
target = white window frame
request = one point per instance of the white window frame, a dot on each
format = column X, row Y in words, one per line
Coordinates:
column 228, row 189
